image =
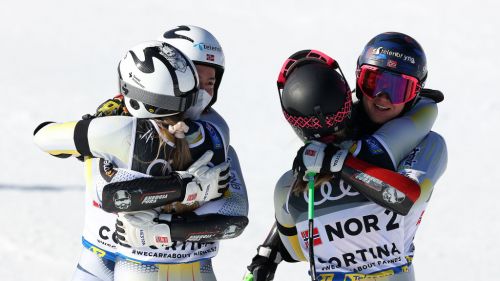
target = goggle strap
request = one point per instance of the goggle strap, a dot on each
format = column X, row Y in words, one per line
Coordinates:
column 300, row 58
column 162, row 101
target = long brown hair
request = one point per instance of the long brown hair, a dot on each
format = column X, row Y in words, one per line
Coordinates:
column 299, row 185
column 180, row 158
column 181, row 155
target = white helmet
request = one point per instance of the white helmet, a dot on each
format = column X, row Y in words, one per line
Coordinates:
column 200, row 46
column 156, row 79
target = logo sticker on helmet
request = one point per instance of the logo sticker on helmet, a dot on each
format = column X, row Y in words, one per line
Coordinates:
column 173, row 57
column 392, row 63
column 204, row 46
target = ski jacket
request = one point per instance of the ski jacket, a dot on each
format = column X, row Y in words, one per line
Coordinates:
column 353, row 235
column 133, row 144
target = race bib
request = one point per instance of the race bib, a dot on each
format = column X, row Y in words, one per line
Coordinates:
column 365, row 239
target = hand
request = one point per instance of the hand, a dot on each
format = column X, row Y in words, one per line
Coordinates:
column 208, row 183
column 318, row 157
column 143, row 228
column 110, row 107
column 263, row 265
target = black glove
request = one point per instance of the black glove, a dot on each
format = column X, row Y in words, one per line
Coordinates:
column 264, row 264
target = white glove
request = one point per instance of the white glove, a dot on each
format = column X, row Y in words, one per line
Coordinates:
column 208, row 183
column 313, row 155
column 143, row 228
column 317, row 157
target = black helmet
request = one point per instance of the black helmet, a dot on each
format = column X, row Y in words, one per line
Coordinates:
column 315, row 97
column 394, row 52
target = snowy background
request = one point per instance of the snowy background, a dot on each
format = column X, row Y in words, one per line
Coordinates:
column 59, row 61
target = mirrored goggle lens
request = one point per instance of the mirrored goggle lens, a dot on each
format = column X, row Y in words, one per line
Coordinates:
column 399, row 87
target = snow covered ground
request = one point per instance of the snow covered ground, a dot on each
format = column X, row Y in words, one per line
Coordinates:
column 59, row 61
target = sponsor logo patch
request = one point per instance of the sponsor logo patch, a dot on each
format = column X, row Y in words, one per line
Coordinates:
column 161, row 239
column 151, row 199
column 122, row 199
column 214, row 136
column 374, row 146
column 192, row 197
column 106, row 169
column 310, row 152
column 392, row 195
column 198, row 237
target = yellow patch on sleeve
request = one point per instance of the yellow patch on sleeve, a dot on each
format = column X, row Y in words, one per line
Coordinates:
column 294, row 242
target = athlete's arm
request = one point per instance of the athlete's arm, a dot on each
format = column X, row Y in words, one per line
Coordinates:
column 285, row 224
column 224, row 218
column 281, row 242
column 206, row 228
column 384, row 149
column 384, row 187
column 108, row 137
column 234, row 202
column 426, row 164
column 412, row 185
column 199, row 183
column 387, row 188
column 396, row 138
column 269, row 255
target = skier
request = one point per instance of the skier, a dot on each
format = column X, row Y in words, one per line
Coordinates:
column 385, row 58
column 99, row 235
column 153, row 87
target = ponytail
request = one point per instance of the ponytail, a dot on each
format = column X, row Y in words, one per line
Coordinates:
column 171, row 128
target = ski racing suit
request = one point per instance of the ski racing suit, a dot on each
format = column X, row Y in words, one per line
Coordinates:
column 121, row 148
column 354, row 238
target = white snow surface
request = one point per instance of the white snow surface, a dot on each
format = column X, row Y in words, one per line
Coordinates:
column 59, row 61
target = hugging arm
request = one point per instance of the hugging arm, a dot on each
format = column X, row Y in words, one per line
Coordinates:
column 223, row 218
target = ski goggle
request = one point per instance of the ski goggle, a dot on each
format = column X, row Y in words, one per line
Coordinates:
column 374, row 81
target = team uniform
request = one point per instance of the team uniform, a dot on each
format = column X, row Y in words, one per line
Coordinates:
column 133, row 145
column 355, row 238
